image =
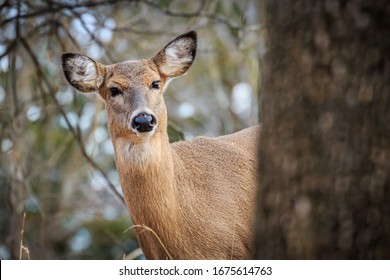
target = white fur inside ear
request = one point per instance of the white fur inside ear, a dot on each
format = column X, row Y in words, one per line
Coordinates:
column 178, row 56
column 83, row 71
column 179, row 51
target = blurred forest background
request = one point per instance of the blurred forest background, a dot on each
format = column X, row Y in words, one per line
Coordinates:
column 59, row 189
column 325, row 107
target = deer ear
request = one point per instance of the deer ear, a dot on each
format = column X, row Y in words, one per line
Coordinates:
column 177, row 57
column 82, row 72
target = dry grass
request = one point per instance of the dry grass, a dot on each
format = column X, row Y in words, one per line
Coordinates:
column 22, row 247
column 133, row 254
column 155, row 234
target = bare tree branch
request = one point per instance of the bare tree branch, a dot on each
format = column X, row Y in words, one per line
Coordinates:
column 62, row 6
column 77, row 135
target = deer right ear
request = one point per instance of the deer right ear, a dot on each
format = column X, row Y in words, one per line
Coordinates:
column 82, row 72
column 176, row 58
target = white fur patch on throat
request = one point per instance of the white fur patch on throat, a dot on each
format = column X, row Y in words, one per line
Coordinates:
column 136, row 155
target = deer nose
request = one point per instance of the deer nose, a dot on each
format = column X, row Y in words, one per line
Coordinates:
column 143, row 122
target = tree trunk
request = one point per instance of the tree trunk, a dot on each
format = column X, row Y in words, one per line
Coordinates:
column 324, row 184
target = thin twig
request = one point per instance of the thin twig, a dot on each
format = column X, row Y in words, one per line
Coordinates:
column 133, row 254
column 93, row 37
column 77, row 136
column 154, row 233
column 199, row 13
column 63, row 6
column 22, row 247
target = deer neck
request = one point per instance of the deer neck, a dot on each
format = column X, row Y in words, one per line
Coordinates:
column 146, row 173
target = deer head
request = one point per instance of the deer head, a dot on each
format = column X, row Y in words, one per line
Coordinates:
column 133, row 90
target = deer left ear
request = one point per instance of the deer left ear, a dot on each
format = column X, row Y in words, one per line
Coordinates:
column 176, row 58
column 82, row 72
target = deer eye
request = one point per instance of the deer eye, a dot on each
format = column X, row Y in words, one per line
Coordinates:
column 114, row 91
column 155, row 85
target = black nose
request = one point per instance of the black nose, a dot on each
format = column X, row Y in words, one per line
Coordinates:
column 143, row 122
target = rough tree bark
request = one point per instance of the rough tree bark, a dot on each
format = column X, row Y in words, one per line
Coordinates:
column 324, row 183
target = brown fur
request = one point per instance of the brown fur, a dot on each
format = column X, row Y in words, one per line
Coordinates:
column 191, row 199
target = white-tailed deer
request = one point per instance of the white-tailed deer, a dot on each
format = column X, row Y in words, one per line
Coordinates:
column 191, row 199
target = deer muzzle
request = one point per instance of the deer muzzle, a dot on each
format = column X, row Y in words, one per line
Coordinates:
column 143, row 122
